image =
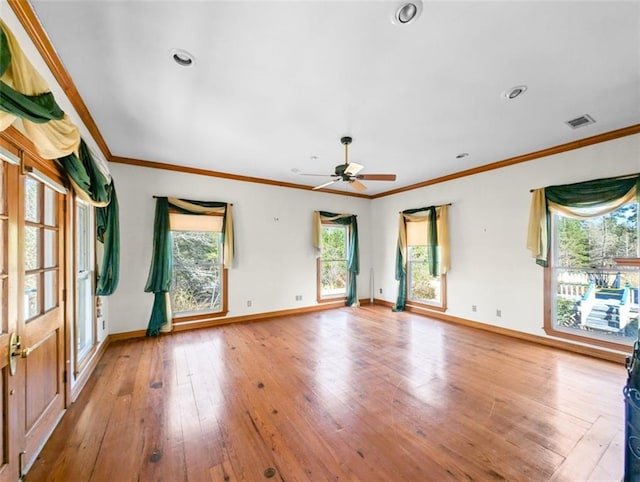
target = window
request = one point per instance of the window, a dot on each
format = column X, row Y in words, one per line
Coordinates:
column 84, row 321
column 198, row 286
column 588, row 295
column 333, row 275
column 422, row 287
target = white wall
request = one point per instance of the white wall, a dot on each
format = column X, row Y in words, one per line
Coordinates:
column 491, row 267
column 275, row 260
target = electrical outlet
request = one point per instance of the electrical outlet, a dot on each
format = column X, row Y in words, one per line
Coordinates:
column 248, row 303
column 474, row 308
column 380, row 290
column 298, row 297
column 498, row 313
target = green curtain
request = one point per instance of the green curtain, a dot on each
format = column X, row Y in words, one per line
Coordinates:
column 36, row 108
column 582, row 195
column 108, row 233
column 353, row 254
column 91, row 185
column 160, row 272
column 85, row 175
column 401, row 262
column 159, row 280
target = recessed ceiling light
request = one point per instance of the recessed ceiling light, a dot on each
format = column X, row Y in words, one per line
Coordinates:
column 183, row 58
column 514, row 92
column 461, row 155
column 406, row 12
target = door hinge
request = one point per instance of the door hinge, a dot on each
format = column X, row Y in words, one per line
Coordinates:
column 64, row 376
column 64, row 295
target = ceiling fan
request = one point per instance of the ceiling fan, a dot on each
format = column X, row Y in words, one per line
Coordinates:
column 348, row 172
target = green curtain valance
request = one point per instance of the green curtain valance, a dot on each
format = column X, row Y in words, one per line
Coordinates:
column 353, row 250
column 600, row 196
column 36, row 108
column 86, row 178
column 55, row 136
column 160, row 271
column 25, row 95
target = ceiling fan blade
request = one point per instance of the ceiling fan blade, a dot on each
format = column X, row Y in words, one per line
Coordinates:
column 357, row 185
column 325, row 184
column 318, row 175
column 353, row 169
column 377, row 177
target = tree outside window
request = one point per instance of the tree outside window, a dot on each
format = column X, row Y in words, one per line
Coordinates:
column 197, row 277
column 591, row 296
column 332, row 264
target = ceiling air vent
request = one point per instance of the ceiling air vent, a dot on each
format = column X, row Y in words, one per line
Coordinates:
column 583, row 120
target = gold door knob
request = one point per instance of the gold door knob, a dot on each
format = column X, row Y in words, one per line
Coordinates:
column 25, row 352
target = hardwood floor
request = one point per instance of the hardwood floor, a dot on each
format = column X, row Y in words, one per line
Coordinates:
column 364, row 394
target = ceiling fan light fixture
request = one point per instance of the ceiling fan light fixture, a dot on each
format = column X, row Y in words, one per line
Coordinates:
column 406, row 12
column 183, row 58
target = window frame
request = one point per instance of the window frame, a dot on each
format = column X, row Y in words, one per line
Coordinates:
column 548, row 301
column 320, row 298
column 186, row 318
column 82, row 358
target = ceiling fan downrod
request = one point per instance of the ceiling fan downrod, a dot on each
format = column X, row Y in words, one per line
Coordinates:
column 345, row 142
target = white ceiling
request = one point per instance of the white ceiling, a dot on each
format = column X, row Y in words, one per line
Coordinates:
column 276, row 83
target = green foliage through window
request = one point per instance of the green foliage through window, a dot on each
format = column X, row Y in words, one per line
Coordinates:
column 197, row 271
column 333, row 260
column 422, row 287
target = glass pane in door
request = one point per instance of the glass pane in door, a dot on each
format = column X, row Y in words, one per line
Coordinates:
column 31, row 295
column 31, row 200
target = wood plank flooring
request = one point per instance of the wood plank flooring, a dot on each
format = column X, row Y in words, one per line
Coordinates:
column 360, row 395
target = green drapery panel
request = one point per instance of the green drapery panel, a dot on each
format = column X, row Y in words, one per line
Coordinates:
column 108, row 233
column 159, row 279
column 90, row 184
column 401, row 252
column 353, row 252
column 605, row 195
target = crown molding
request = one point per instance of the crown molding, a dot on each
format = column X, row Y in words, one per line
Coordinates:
column 29, row 20
column 226, row 175
column 569, row 146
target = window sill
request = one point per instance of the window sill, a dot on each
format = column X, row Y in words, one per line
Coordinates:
column 594, row 341
column 425, row 306
column 334, row 299
column 190, row 319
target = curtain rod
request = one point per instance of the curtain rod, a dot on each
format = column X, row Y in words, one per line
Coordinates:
column 626, row 176
column 156, row 197
column 439, row 205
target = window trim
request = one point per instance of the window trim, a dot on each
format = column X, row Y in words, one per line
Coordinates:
column 191, row 317
column 339, row 297
column 547, row 326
